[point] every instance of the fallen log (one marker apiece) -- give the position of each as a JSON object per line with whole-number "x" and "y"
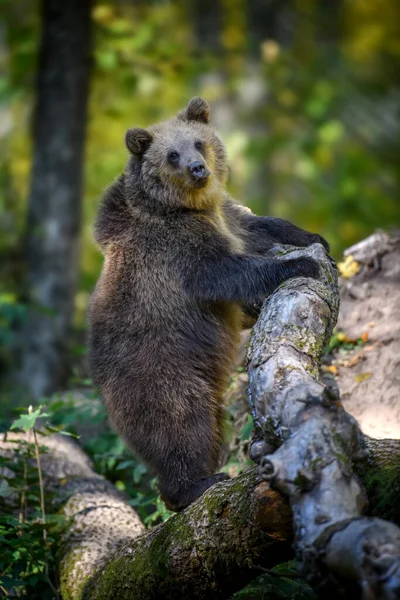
{"x": 317, "y": 442}
{"x": 208, "y": 551}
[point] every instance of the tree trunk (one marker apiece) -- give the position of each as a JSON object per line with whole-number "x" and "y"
{"x": 54, "y": 212}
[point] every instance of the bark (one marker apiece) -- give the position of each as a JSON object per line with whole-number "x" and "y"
{"x": 316, "y": 442}
{"x": 54, "y": 212}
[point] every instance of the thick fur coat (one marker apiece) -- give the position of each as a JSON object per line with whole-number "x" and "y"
{"x": 181, "y": 260}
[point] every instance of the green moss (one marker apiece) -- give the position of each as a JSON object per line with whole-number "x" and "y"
{"x": 69, "y": 575}
{"x": 382, "y": 484}
{"x": 150, "y": 565}
{"x": 301, "y": 338}
{"x": 270, "y": 435}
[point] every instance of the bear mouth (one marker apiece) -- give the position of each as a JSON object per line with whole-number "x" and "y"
{"x": 199, "y": 183}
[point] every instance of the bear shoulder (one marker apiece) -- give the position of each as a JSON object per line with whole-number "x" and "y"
{"x": 113, "y": 216}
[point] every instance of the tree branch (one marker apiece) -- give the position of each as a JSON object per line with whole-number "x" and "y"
{"x": 318, "y": 441}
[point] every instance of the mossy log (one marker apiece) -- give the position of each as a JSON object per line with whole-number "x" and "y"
{"x": 317, "y": 443}
{"x": 208, "y": 551}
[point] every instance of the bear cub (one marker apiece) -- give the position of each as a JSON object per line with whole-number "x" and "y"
{"x": 182, "y": 259}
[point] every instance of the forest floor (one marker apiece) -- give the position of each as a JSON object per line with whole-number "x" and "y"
{"x": 368, "y": 372}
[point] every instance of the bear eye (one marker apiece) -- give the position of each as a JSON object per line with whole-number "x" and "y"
{"x": 198, "y": 145}
{"x": 173, "y": 156}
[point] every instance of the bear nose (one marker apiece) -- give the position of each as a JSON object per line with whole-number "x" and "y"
{"x": 198, "y": 169}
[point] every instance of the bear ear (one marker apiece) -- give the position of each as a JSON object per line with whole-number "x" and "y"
{"x": 197, "y": 110}
{"x": 138, "y": 140}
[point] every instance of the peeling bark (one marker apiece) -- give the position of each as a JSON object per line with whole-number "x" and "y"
{"x": 317, "y": 442}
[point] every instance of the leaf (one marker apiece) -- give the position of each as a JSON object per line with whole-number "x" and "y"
{"x": 27, "y": 421}
{"x": 103, "y": 14}
{"x": 362, "y": 376}
{"x": 139, "y": 470}
{"x": 107, "y": 59}
{"x": 58, "y": 429}
{"x": 125, "y": 464}
{"x": 349, "y": 267}
{"x": 70, "y": 434}
{"x": 5, "y": 489}
{"x": 247, "y": 429}
{"x": 331, "y": 132}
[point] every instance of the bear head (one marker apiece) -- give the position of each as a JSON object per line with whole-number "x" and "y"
{"x": 180, "y": 162}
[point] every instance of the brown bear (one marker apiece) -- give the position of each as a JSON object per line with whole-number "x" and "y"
{"x": 181, "y": 259}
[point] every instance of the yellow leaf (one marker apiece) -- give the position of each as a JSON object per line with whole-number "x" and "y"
{"x": 270, "y": 51}
{"x": 329, "y": 369}
{"x": 349, "y": 267}
{"x": 103, "y": 14}
{"x": 362, "y": 377}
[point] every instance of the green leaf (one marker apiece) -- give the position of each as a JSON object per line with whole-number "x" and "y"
{"x": 138, "y": 472}
{"x": 125, "y": 464}
{"x": 27, "y": 421}
{"x": 5, "y": 489}
{"x": 247, "y": 429}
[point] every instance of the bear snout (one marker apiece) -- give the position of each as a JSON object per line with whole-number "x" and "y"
{"x": 198, "y": 170}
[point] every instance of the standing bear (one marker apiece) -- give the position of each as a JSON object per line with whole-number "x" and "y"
{"x": 181, "y": 260}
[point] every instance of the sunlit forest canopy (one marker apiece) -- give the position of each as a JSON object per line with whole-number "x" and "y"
{"x": 304, "y": 93}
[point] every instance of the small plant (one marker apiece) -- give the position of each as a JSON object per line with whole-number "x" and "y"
{"x": 340, "y": 341}
{"x": 280, "y": 583}
{"x": 30, "y": 536}
{"x": 150, "y": 507}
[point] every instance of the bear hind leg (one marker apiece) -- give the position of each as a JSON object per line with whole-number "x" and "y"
{"x": 178, "y": 496}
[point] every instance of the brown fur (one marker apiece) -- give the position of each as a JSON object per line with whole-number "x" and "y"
{"x": 180, "y": 260}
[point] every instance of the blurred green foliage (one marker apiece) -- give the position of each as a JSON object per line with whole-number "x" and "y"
{"x": 309, "y": 111}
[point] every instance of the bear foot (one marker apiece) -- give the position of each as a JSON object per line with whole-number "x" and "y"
{"x": 185, "y": 496}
